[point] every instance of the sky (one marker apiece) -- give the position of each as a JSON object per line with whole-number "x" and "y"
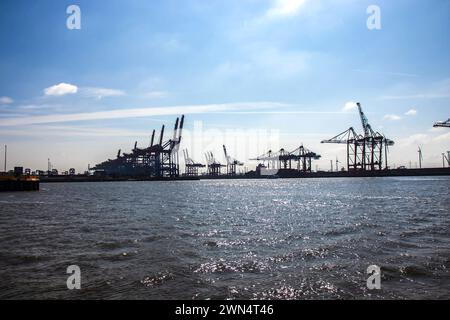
{"x": 253, "y": 74}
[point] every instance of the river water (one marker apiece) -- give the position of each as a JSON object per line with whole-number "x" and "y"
{"x": 228, "y": 239}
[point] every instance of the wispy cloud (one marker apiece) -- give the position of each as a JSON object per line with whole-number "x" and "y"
{"x": 141, "y": 112}
{"x": 100, "y": 93}
{"x": 417, "y": 96}
{"x": 436, "y": 90}
{"x": 392, "y": 117}
{"x": 156, "y": 94}
{"x": 6, "y": 100}
{"x": 389, "y": 73}
{"x": 61, "y": 89}
{"x": 411, "y": 112}
{"x": 285, "y": 8}
{"x": 68, "y": 131}
{"x": 36, "y": 106}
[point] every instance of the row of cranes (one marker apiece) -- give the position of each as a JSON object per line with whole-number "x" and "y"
{"x": 213, "y": 166}
{"x": 162, "y": 159}
{"x": 299, "y": 159}
{"x": 365, "y": 152}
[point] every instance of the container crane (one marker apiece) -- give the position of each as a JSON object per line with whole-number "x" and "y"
{"x": 364, "y": 152}
{"x": 231, "y": 163}
{"x": 213, "y": 165}
{"x": 191, "y": 167}
{"x": 299, "y": 159}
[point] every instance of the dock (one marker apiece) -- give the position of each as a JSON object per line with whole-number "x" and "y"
{"x": 18, "y": 183}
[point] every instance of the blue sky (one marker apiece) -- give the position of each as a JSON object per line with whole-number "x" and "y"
{"x": 289, "y": 66}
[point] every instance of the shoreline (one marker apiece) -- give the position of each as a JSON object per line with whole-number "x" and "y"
{"x": 282, "y": 174}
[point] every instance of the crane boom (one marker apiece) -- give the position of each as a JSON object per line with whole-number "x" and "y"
{"x": 161, "y": 137}
{"x": 153, "y": 138}
{"x": 342, "y": 137}
{"x": 442, "y": 124}
{"x": 227, "y": 158}
{"x": 364, "y": 121}
{"x": 175, "y": 130}
{"x": 181, "y": 128}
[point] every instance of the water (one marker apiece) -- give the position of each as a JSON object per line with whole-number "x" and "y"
{"x": 228, "y": 239}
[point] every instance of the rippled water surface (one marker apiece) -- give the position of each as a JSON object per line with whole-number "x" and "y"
{"x": 237, "y": 239}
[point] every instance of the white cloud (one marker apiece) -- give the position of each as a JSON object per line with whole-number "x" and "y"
{"x": 411, "y": 112}
{"x": 6, "y": 100}
{"x": 392, "y": 117}
{"x": 100, "y": 93}
{"x": 283, "y": 8}
{"x": 61, "y": 89}
{"x": 96, "y": 92}
{"x": 350, "y": 106}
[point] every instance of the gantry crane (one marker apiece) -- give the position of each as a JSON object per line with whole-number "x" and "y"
{"x": 231, "y": 163}
{"x": 191, "y": 167}
{"x": 364, "y": 152}
{"x": 283, "y": 160}
{"x": 213, "y": 165}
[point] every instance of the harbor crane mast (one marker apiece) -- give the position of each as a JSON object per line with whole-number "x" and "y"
{"x": 231, "y": 163}
{"x": 364, "y": 152}
{"x": 419, "y": 151}
{"x": 446, "y": 159}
